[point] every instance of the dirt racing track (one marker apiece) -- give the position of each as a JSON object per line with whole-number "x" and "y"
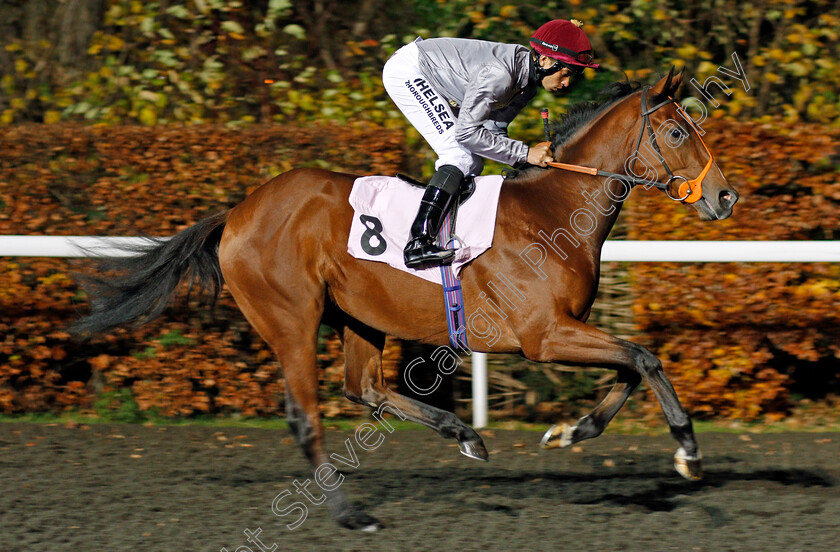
{"x": 133, "y": 488}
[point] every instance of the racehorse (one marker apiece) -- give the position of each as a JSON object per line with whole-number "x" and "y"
{"x": 283, "y": 254}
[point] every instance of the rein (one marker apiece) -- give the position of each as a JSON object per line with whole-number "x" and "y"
{"x": 689, "y": 191}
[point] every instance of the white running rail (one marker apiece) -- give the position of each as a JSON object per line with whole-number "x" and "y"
{"x": 614, "y": 250}
{"x": 671, "y": 251}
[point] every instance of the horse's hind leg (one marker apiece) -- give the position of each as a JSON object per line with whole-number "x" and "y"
{"x": 305, "y": 424}
{"x": 574, "y": 342}
{"x": 365, "y": 384}
{"x": 292, "y": 335}
{"x": 594, "y": 423}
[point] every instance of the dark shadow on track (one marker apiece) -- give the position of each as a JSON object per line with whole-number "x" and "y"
{"x": 647, "y": 489}
{"x": 662, "y": 498}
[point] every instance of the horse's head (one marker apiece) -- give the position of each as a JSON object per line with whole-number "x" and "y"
{"x": 692, "y": 174}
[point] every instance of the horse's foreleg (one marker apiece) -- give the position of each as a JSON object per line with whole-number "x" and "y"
{"x": 573, "y": 342}
{"x": 365, "y": 384}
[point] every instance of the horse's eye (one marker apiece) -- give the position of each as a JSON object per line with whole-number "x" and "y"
{"x": 676, "y": 134}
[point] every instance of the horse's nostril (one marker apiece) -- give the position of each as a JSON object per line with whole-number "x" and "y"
{"x": 727, "y": 198}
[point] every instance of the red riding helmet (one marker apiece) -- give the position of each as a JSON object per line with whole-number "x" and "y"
{"x": 564, "y": 41}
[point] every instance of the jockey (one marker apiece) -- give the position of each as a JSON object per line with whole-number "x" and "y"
{"x": 461, "y": 94}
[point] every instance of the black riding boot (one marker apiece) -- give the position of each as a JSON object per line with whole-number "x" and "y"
{"x": 421, "y": 251}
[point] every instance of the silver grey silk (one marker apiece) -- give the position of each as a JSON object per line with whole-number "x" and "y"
{"x": 487, "y": 84}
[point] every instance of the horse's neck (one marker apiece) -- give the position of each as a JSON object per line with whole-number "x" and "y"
{"x": 603, "y": 144}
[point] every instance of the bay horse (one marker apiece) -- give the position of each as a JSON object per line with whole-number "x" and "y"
{"x": 283, "y": 254}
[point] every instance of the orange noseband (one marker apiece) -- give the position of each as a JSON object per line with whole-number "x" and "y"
{"x": 690, "y": 191}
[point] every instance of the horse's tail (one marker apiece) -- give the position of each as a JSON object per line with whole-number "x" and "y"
{"x": 145, "y": 282}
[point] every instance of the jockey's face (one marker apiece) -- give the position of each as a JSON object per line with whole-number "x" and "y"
{"x": 558, "y": 81}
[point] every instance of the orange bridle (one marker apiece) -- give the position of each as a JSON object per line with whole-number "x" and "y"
{"x": 688, "y": 191}
{"x": 693, "y": 189}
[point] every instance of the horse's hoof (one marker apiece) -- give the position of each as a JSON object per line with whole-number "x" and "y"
{"x": 687, "y": 466}
{"x": 473, "y": 449}
{"x": 359, "y": 521}
{"x": 558, "y": 436}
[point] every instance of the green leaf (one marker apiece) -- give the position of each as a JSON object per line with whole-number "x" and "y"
{"x": 148, "y": 95}
{"x": 253, "y": 53}
{"x": 797, "y": 69}
{"x": 166, "y": 57}
{"x": 178, "y": 11}
{"x": 232, "y": 27}
{"x": 277, "y": 6}
{"x": 147, "y": 25}
{"x": 296, "y": 31}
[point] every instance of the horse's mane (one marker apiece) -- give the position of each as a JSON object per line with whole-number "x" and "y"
{"x": 580, "y": 114}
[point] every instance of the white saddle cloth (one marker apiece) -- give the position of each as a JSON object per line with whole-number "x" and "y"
{"x": 385, "y": 207}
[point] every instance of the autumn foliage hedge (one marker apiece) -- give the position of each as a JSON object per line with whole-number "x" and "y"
{"x": 745, "y": 339}
{"x": 71, "y": 180}
{"x": 738, "y": 340}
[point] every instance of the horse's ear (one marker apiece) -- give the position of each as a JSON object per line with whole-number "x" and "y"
{"x": 676, "y": 82}
{"x": 668, "y": 85}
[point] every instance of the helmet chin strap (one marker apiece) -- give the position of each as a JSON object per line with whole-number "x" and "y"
{"x": 540, "y": 72}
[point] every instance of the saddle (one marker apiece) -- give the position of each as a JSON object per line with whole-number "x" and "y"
{"x": 385, "y": 206}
